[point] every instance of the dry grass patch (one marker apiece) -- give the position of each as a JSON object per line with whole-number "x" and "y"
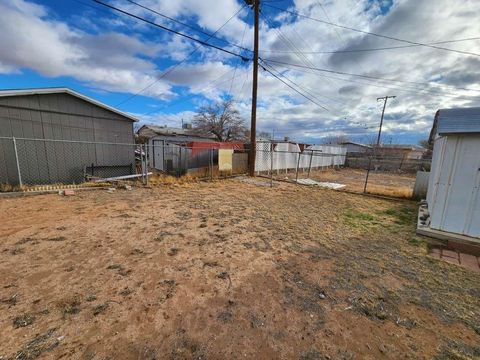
{"x": 227, "y": 269}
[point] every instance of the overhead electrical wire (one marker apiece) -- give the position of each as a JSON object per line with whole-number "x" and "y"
{"x": 339, "y": 36}
{"x": 371, "y": 33}
{"x": 201, "y": 42}
{"x": 383, "y": 86}
{"x": 210, "y": 35}
{"x": 370, "y": 49}
{"x": 363, "y": 76}
{"x": 171, "y": 69}
{"x": 305, "y": 88}
{"x": 290, "y": 44}
{"x": 237, "y": 63}
{"x": 264, "y": 67}
{"x": 209, "y": 86}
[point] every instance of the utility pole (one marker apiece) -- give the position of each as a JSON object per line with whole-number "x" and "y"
{"x": 253, "y": 123}
{"x": 385, "y": 99}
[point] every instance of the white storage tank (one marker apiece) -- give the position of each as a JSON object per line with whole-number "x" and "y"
{"x": 453, "y": 195}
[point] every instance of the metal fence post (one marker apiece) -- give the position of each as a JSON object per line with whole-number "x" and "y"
{"x": 146, "y": 164}
{"x": 186, "y": 160}
{"x": 271, "y": 164}
{"x": 310, "y": 165}
{"x": 211, "y": 164}
{"x": 142, "y": 162}
{"x": 368, "y": 173}
{"x": 298, "y": 164}
{"x": 17, "y": 162}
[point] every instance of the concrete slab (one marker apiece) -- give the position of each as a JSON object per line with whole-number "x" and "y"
{"x": 327, "y": 185}
{"x": 423, "y": 228}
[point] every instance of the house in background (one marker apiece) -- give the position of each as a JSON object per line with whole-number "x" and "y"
{"x": 167, "y": 145}
{"x": 357, "y": 148}
{"x": 58, "y": 134}
{"x": 176, "y": 150}
{"x": 453, "y": 196}
{"x": 401, "y": 151}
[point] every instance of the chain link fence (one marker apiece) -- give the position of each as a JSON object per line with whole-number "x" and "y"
{"x": 26, "y": 163}
{"x": 331, "y": 167}
{"x": 197, "y": 161}
{"x": 29, "y": 162}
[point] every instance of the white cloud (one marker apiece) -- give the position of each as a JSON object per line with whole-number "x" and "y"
{"x": 52, "y": 48}
{"x": 114, "y": 61}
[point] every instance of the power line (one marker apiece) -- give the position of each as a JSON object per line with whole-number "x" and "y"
{"x": 383, "y": 86}
{"x": 338, "y": 34}
{"x": 204, "y": 89}
{"x": 303, "y": 87}
{"x": 241, "y": 44}
{"x": 371, "y": 33}
{"x": 172, "y": 31}
{"x": 210, "y": 36}
{"x": 363, "y": 76}
{"x": 371, "y": 49}
{"x": 294, "y": 89}
{"x": 304, "y": 59}
{"x": 170, "y": 70}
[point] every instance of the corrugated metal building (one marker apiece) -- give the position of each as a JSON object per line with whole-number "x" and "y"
{"x": 453, "y": 195}
{"x": 65, "y": 129}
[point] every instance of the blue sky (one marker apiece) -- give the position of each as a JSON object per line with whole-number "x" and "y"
{"x": 119, "y": 60}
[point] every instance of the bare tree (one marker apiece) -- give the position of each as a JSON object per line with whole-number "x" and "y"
{"x": 425, "y": 143}
{"x": 221, "y": 120}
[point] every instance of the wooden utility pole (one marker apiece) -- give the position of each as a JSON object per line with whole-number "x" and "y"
{"x": 385, "y": 99}
{"x": 253, "y": 123}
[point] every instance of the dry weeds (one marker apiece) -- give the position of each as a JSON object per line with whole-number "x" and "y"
{"x": 291, "y": 272}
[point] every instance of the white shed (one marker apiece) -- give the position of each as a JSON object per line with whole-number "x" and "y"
{"x": 453, "y": 195}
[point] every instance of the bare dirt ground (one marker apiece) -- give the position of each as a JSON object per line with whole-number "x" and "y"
{"x": 227, "y": 270}
{"x": 379, "y": 182}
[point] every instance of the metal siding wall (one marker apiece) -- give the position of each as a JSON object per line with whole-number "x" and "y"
{"x": 54, "y": 161}
{"x": 456, "y": 201}
{"x": 473, "y": 223}
{"x": 437, "y": 159}
{"x": 444, "y": 177}
{"x": 459, "y": 189}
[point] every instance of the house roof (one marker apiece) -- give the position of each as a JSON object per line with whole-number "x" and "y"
{"x": 354, "y": 143}
{"x": 401, "y": 147}
{"x": 456, "y": 121}
{"x": 170, "y": 131}
{"x": 63, "y": 90}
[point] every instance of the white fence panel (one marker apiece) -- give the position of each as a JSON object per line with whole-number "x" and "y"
{"x": 286, "y": 156}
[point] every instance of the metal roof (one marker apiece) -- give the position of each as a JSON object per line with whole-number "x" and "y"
{"x": 354, "y": 143}
{"x": 171, "y": 131}
{"x": 63, "y": 90}
{"x": 401, "y": 147}
{"x": 164, "y": 130}
{"x": 456, "y": 121}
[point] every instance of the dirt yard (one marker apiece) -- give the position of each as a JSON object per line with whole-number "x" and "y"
{"x": 227, "y": 270}
{"x": 379, "y": 182}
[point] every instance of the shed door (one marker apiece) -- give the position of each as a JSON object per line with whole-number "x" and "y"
{"x": 442, "y": 169}
{"x": 158, "y": 151}
{"x": 460, "y": 213}
{"x": 472, "y": 226}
